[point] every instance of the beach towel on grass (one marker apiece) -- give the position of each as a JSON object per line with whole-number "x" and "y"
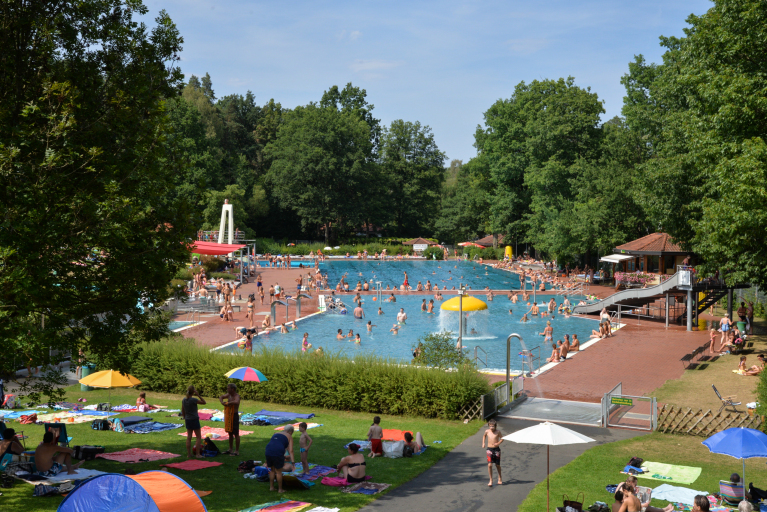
{"x": 80, "y": 474}
{"x": 364, "y": 445}
{"x": 151, "y": 427}
{"x": 137, "y": 455}
{"x": 132, "y": 420}
{"x": 220, "y": 432}
{"x": 676, "y": 474}
{"x": 366, "y": 488}
{"x": 675, "y": 494}
{"x": 391, "y": 434}
{"x": 193, "y": 465}
{"x": 295, "y": 426}
{"x": 279, "y": 506}
{"x": 280, "y": 414}
{"x": 338, "y": 481}
{"x": 315, "y": 471}
{"x": 125, "y": 408}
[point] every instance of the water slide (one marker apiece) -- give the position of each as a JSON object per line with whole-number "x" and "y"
{"x": 635, "y": 296}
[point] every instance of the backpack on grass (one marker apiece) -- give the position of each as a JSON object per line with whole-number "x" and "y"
{"x": 100, "y": 425}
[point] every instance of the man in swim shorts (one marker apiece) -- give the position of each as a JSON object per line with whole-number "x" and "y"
{"x": 494, "y": 440}
{"x": 401, "y": 316}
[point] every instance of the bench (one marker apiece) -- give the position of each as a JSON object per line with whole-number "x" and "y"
{"x": 687, "y": 358}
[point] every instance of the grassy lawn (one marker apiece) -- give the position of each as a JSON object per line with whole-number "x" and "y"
{"x": 231, "y": 491}
{"x": 693, "y": 389}
{"x": 601, "y": 465}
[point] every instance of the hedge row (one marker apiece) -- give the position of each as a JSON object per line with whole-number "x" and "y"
{"x": 329, "y": 381}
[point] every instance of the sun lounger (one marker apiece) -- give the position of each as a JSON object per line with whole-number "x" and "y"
{"x": 727, "y": 401}
{"x": 732, "y": 494}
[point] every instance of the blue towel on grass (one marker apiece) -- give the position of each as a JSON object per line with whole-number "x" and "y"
{"x": 281, "y": 414}
{"x": 362, "y": 490}
{"x": 150, "y": 427}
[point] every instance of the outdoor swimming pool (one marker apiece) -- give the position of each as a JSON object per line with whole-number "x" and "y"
{"x": 441, "y": 273}
{"x": 491, "y": 327}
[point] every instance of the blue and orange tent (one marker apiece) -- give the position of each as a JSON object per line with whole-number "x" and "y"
{"x": 151, "y": 491}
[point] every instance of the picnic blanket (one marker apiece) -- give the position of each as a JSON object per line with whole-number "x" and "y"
{"x": 193, "y": 465}
{"x": 17, "y": 414}
{"x": 125, "y": 408}
{"x": 675, "y": 494}
{"x": 364, "y": 445}
{"x": 366, "y": 488}
{"x": 260, "y": 419}
{"x": 676, "y": 474}
{"x": 315, "y": 471}
{"x": 391, "y": 434}
{"x": 150, "y": 427}
{"x": 338, "y": 481}
{"x": 132, "y": 420}
{"x": 279, "y": 506}
{"x": 137, "y": 455}
{"x": 295, "y": 426}
{"x": 280, "y": 414}
{"x": 218, "y": 434}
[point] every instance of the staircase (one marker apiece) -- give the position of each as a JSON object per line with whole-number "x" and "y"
{"x": 712, "y": 296}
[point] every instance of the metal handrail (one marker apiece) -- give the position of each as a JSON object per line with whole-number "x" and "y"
{"x": 477, "y": 358}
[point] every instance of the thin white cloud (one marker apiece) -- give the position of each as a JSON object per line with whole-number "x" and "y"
{"x": 374, "y": 64}
{"x": 355, "y": 34}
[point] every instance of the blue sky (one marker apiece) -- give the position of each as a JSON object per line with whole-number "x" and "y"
{"x": 440, "y": 63}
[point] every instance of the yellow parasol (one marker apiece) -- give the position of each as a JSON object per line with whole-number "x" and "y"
{"x": 469, "y": 304}
{"x": 109, "y": 379}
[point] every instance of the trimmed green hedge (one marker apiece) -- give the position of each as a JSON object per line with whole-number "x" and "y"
{"x": 331, "y": 381}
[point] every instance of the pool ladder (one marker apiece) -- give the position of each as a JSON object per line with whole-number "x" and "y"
{"x": 477, "y": 357}
{"x": 193, "y": 316}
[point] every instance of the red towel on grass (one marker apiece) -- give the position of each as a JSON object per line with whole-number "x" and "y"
{"x": 191, "y": 465}
{"x": 338, "y": 481}
{"x": 137, "y": 455}
{"x": 391, "y": 434}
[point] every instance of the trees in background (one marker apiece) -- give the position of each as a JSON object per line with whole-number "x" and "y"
{"x": 92, "y": 228}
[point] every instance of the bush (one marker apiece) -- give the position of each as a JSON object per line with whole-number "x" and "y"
{"x": 438, "y": 350}
{"x": 331, "y": 381}
{"x": 212, "y": 265}
{"x": 434, "y": 253}
{"x": 223, "y": 275}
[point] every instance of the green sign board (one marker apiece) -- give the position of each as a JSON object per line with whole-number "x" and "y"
{"x": 616, "y": 400}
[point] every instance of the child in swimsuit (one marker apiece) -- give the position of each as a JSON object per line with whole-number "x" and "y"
{"x": 304, "y": 443}
{"x": 375, "y": 436}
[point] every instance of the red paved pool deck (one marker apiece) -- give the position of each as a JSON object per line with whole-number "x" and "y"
{"x": 642, "y": 355}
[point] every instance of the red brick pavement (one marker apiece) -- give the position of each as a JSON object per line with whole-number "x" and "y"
{"x": 642, "y": 357}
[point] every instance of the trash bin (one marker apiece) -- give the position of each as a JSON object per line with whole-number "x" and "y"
{"x": 741, "y": 326}
{"x": 87, "y": 370}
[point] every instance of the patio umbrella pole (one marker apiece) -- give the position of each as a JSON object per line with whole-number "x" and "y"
{"x": 548, "y": 508}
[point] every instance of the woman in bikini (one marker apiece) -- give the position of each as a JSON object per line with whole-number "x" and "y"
{"x": 251, "y": 310}
{"x": 352, "y": 467}
{"x": 548, "y": 332}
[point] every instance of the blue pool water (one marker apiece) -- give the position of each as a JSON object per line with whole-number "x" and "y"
{"x": 178, "y": 324}
{"x": 441, "y": 273}
{"x": 491, "y": 327}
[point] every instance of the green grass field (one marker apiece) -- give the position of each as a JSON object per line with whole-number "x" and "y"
{"x": 231, "y": 491}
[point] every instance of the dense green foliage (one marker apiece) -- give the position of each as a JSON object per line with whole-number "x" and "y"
{"x": 91, "y": 226}
{"x": 329, "y": 381}
{"x": 437, "y": 349}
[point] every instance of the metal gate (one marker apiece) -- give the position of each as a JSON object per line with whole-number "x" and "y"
{"x": 628, "y": 411}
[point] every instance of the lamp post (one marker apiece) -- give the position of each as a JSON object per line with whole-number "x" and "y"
{"x": 461, "y": 292}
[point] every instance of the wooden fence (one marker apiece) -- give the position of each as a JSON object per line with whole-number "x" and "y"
{"x": 673, "y": 419}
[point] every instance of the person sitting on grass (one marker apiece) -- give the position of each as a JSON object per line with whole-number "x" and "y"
{"x": 50, "y": 458}
{"x": 415, "y": 445}
{"x": 757, "y": 368}
{"x": 352, "y": 467}
{"x": 634, "y": 483}
{"x": 141, "y": 404}
{"x": 10, "y": 444}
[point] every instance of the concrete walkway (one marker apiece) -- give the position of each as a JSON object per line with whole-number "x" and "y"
{"x": 459, "y": 481}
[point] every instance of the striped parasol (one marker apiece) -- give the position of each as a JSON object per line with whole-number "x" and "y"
{"x": 246, "y": 374}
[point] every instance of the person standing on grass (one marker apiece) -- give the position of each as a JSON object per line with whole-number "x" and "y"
{"x": 275, "y": 456}
{"x": 232, "y": 417}
{"x": 304, "y": 443}
{"x": 192, "y": 420}
{"x": 494, "y": 440}
{"x": 750, "y": 317}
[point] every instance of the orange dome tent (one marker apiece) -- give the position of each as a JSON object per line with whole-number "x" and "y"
{"x": 150, "y": 491}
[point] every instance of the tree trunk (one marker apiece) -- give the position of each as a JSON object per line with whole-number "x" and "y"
{"x": 495, "y": 240}
{"x": 327, "y": 234}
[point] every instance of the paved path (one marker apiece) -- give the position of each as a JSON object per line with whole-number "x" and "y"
{"x": 459, "y": 481}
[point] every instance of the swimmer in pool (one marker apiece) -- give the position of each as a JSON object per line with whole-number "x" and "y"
{"x": 510, "y": 312}
{"x": 351, "y": 334}
{"x": 380, "y": 311}
{"x": 394, "y": 329}
{"x": 340, "y": 335}
{"x": 524, "y": 318}
{"x": 357, "y": 339}
{"x": 370, "y": 326}
{"x": 473, "y": 331}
